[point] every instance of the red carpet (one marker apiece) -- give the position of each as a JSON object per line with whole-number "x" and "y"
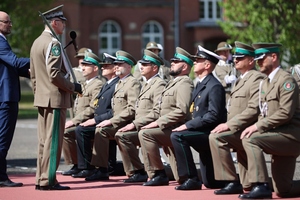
{"x": 113, "y": 189}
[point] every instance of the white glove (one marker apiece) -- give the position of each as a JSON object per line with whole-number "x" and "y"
{"x": 230, "y": 79}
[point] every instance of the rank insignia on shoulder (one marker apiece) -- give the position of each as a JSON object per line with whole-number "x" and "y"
{"x": 56, "y": 50}
{"x": 288, "y": 86}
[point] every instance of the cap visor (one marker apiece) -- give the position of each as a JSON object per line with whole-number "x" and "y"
{"x": 258, "y": 57}
{"x": 87, "y": 62}
{"x": 144, "y": 61}
{"x": 238, "y": 55}
{"x": 119, "y": 61}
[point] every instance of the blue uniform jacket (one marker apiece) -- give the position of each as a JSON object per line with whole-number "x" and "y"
{"x": 104, "y": 109}
{"x": 209, "y": 105}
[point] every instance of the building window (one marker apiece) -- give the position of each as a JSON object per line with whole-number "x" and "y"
{"x": 152, "y": 31}
{"x": 210, "y": 10}
{"x": 109, "y": 37}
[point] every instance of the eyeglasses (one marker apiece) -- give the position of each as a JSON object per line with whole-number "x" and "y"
{"x": 6, "y": 22}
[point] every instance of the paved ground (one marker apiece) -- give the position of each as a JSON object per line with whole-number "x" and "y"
{"x": 22, "y": 154}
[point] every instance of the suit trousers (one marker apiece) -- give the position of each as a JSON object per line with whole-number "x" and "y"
{"x": 69, "y": 147}
{"x": 8, "y": 119}
{"x": 151, "y": 140}
{"x": 85, "y": 139}
{"x": 284, "y": 152}
{"x": 224, "y": 168}
{"x": 51, "y": 125}
{"x": 182, "y": 142}
{"x": 128, "y": 143}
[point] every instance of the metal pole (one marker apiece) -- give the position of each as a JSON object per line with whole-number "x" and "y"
{"x": 176, "y": 23}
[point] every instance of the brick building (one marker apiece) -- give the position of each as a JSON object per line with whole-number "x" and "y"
{"x": 111, "y": 25}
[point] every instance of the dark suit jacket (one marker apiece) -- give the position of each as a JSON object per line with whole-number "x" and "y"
{"x": 104, "y": 109}
{"x": 209, "y": 105}
{"x": 11, "y": 68}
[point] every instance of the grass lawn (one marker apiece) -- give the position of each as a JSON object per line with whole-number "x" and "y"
{"x": 26, "y": 109}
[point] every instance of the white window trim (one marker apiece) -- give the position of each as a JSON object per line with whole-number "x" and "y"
{"x": 109, "y": 35}
{"x": 206, "y": 11}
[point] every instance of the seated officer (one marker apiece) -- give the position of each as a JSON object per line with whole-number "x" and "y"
{"x": 83, "y": 109}
{"x": 208, "y": 109}
{"x": 123, "y": 110}
{"x": 85, "y": 132}
{"x": 127, "y": 137}
{"x": 277, "y": 130}
{"x": 242, "y": 110}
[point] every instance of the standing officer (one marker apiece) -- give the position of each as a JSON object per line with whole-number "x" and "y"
{"x": 83, "y": 108}
{"x": 225, "y": 71}
{"x": 277, "y": 130}
{"x": 85, "y": 132}
{"x": 11, "y": 68}
{"x": 52, "y": 96}
{"x": 127, "y": 137}
{"x": 173, "y": 109}
{"x": 208, "y": 108}
{"x": 123, "y": 105}
{"x": 242, "y": 111}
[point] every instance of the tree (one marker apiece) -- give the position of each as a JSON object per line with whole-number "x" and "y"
{"x": 27, "y": 25}
{"x": 252, "y": 21}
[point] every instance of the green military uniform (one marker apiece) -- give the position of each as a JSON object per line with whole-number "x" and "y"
{"x": 277, "y": 130}
{"x": 242, "y": 112}
{"x": 148, "y": 97}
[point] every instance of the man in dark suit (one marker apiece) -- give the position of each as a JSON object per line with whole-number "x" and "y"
{"x": 208, "y": 107}
{"x": 11, "y": 68}
{"x": 85, "y": 132}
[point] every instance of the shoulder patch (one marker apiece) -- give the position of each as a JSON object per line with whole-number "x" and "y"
{"x": 56, "y": 50}
{"x": 289, "y": 86}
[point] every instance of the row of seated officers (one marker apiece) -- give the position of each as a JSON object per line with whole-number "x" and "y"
{"x": 262, "y": 116}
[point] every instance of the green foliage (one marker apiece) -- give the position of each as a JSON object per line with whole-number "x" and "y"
{"x": 252, "y": 21}
{"x": 27, "y": 25}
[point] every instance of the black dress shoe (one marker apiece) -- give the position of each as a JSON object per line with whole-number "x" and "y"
{"x": 37, "y": 187}
{"x": 157, "y": 181}
{"x": 231, "y": 188}
{"x": 9, "y": 183}
{"x": 136, "y": 178}
{"x": 261, "y": 191}
{"x": 190, "y": 184}
{"x": 84, "y": 173}
{"x": 98, "y": 176}
{"x": 55, "y": 187}
{"x": 73, "y": 170}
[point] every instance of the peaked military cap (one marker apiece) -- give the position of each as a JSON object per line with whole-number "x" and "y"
{"x": 56, "y": 12}
{"x": 123, "y": 56}
{"x": 242, "y": 50}
{"x": 261, "y": 49}
{"x": 91, "y": 59}
{"x": 182, "y": 55}
{"x": 81, "y": 52}
{"x": 206, "y": 54}
{"x": 152, "y": 45}
{"x": 223, "y": 46}
{"x": 150, "y": 57}
{"x": 108, "y": 59}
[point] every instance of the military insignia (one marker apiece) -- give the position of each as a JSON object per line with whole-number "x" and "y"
{"x": 192, "y": 107}
{"x": 288, "y": 86}
{"x": 56, "y": 50}
{"x": 95, "y": 102}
